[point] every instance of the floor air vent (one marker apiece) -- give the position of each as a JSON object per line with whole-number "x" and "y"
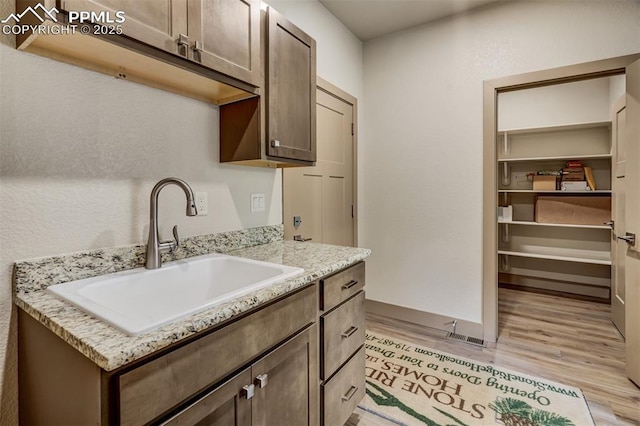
{"x": 466, "y": 339}
{"x": 461, "y": 337}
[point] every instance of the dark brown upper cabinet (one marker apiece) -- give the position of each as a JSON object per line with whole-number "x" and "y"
{"x": 225, "y": 35}
{"x": 279, "y": 129}
{"x": 205, "y": 49}
{"x": 290, "y": 91}
{"x": 161, "y": 23}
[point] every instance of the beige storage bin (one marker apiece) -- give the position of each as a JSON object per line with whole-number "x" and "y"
{"x": 571, "y": 209}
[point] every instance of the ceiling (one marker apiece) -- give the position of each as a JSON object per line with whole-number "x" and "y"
{"x": 369, "y": 19}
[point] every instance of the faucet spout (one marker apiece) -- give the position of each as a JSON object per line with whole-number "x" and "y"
{"x": 155, "y": 247}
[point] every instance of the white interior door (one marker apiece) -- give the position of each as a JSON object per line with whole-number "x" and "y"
{"x": 322, "y": 197}
{"x": 618, "y": 247}
{"x": 632, "y": 209}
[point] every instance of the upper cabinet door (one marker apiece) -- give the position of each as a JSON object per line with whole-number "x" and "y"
{"x": 159, "y": 23}
{"x": 225, "y": 36}
{"x": 291, "y": 91}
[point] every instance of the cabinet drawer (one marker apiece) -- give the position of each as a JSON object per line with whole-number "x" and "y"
{"x": 341, "y": 286}
{"x": 344, "y": 391}
{"x": 343, "y": 332}
{"x": 151, "y": 389}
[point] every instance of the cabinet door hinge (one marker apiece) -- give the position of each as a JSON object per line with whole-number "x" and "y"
{"x": 353, "y": 132}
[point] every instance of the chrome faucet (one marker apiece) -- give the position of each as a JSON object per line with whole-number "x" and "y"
{"x": 155, "y": 247}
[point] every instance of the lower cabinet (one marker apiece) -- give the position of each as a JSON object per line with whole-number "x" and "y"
{"x": 259, "y": 369}
{"x": 297, "y": 361}
{"x": 342, "y": 337}
{"x": 276, "y": 389}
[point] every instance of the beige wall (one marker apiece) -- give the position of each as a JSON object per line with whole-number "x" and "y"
{"x": 422, "y": 122}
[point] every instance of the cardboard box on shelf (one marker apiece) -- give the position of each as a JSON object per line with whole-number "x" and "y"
{"x": 573, "y": 209}
{"x": 544, "y": 183}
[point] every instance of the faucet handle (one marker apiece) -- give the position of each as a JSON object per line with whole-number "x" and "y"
{"x": 175, "y": 236}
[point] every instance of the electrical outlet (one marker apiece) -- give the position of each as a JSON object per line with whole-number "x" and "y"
{"x": 201, "y": 203}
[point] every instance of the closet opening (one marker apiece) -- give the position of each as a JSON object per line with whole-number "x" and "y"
{"x": 549, "y": 185}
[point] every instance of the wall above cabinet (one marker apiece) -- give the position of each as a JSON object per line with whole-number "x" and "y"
{"x": 204, "y": 49}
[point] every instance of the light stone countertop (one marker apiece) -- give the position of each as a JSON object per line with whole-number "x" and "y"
{"x": 109, "y": 348}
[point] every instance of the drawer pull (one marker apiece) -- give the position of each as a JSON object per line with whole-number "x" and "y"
{"x": 352, "y": 391}
{"x": 248, "y": 391}
{"x": 349, "y": 332}
{"x": 183, "y": 44}
{"x": 261, "y": 380}
{"x": 350, "y": 284}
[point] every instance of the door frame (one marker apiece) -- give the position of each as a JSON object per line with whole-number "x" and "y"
{"x": 491, "y": 89}
{"x": 336, "y": 92}
{"x": 617, "y": 307}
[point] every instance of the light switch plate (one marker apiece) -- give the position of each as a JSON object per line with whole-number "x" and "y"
{"x": 257, "y": 203}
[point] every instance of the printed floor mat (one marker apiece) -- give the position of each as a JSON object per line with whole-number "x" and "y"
{"x": 413, "y": 385}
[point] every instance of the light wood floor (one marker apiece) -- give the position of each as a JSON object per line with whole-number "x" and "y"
{"x": 568, "y": 341}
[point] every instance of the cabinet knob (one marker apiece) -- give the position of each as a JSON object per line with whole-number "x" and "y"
{"x": 197, "y": 51}
{"x": 247, "y": 391}
{"x": 183, "y": 44}
{"x": 261, "y": 380}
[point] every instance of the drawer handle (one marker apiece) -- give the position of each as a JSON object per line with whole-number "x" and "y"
{"x": 248, "y": 391}
{"x": 261, "y": 380}
{"x": 349, "y": 332}
{"x": 352, "y": 391}
{"x": 350, "y": 284}
{"x": 183, "y": 44}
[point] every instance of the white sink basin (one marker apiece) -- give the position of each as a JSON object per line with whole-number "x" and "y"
{"x": 140, "y": 300}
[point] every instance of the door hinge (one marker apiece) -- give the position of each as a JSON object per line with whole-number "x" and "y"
{"x": 353, "y": 132}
